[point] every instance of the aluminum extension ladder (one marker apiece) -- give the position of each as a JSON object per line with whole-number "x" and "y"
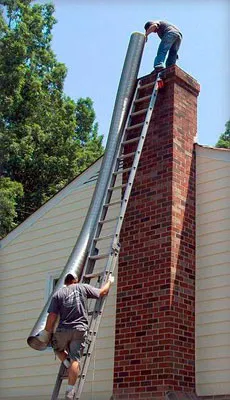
{"x": 114, "y": 248}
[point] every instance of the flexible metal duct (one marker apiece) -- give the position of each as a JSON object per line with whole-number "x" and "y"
{"x": 78, "y": 256}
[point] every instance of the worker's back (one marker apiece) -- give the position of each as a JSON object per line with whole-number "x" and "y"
{"x": 70, "y": 302}
{"x": 165, "y": 27}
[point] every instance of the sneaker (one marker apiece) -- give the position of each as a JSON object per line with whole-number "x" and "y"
{"x": 70, "y": 395}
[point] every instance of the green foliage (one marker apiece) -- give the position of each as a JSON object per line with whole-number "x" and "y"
{"x": 9, "y": 193}
{"x": 47, "y": 138}
{"x": 224, "y": 139}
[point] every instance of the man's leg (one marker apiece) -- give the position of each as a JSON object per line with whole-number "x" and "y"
{"x": 63, "y": 355}
{"x": 172, "y": 56}
{"x": 76, "y": 347}
{"x": 166, "y": 43}
{"x": 60, "y": 344}
{"x": 73, "y": 372}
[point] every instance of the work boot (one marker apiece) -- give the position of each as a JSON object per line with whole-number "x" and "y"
{"x": 70, "y": 395}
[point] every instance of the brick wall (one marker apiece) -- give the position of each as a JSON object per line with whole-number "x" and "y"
{"x": 215, "y": 397}
{"x": 154, "y": 350}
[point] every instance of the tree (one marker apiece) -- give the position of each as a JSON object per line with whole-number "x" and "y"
{"x": 9, "y": 193}
{"x": 224, "y": 139}
{"x": 47, "y": 138}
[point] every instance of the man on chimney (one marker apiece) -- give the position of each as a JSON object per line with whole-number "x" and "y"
{"x": 170, "y": 37}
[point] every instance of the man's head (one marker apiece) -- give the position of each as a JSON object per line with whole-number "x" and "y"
{"x": 148, "y": 24}
{"x": 71, "y": 278}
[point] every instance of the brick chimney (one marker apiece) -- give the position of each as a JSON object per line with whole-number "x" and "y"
{"x": 155, "y": 330}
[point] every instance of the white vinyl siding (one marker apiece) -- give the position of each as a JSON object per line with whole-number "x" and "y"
{"x": 212, "y": 271}
{"x": 31, "y": 253}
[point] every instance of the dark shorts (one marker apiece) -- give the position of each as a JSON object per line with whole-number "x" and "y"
{"x": 70, "y": 340}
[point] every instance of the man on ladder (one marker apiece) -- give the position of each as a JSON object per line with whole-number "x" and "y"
{"x": 68, "y": 342}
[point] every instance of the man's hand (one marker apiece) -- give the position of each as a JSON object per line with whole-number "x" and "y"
{"x": 44, "y": 336}
{"x": 152, "y": 29}
{"x": 105, "y": 289}
{"x": 111, "y": 279}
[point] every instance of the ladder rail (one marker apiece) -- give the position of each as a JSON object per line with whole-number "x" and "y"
{"x": 108, "y": 192}
{"x": 60, "y": 377}
{"x": 112, "y": 259}
{"x": 127, "y": 193}
{"x": 136, "y": 159}
{"x": 93, "y": 328}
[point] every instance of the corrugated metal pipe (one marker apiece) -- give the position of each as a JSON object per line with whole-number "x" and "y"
{"x": 78, "y": 256}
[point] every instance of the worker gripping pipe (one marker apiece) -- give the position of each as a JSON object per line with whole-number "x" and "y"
{"x": 78, "y": 256}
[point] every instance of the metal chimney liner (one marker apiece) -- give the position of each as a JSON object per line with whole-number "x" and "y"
{"x": 78, "y": 256}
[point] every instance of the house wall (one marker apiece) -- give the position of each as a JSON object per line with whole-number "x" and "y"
{"x": 212, "y": 271}
{"x": 41, "y": 246}
{"x": 37, "y": 248}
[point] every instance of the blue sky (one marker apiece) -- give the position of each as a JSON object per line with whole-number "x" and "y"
{"x": 91, "y": 38}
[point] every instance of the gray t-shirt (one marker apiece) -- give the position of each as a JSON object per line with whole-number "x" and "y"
{"x": 164, "y": 27}
{"x": 70, "y": 302}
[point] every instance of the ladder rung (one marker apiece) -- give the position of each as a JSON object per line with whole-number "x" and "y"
{"x": 104, "y": 221}
{"x": 95, "y": 275}
{"x": 99, "y": 256}
{"x": 144, "y": 110}
{"x": 126, "y": 155}
{"x": 117, "y": 187}
{"x": 142, "y": 99}
{"x": 131, "y": 140}
{"x": 90, "y": 313}
{"x": 129, "y": 128}
{"x": 113, "y": 203}
{"x": 122, "y": 171}
{"x": 97, "y": 239}
{"x": 147, "y": 85}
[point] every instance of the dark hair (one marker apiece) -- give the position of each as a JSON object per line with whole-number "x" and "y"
{"x": 70, "y": 278}
{"x": 148, "y": 24}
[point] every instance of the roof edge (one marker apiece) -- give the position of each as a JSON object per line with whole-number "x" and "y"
{"x": 45, "y": 207}
{"x": 211, "y": 147}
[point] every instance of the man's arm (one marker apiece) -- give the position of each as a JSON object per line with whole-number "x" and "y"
{"x": 104, "y": 290}
{"x": 53, "y": 313}
{"x": 45, "y": 335}
{"x": 50, "y": 322}
{"x": 152, "y": 29}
